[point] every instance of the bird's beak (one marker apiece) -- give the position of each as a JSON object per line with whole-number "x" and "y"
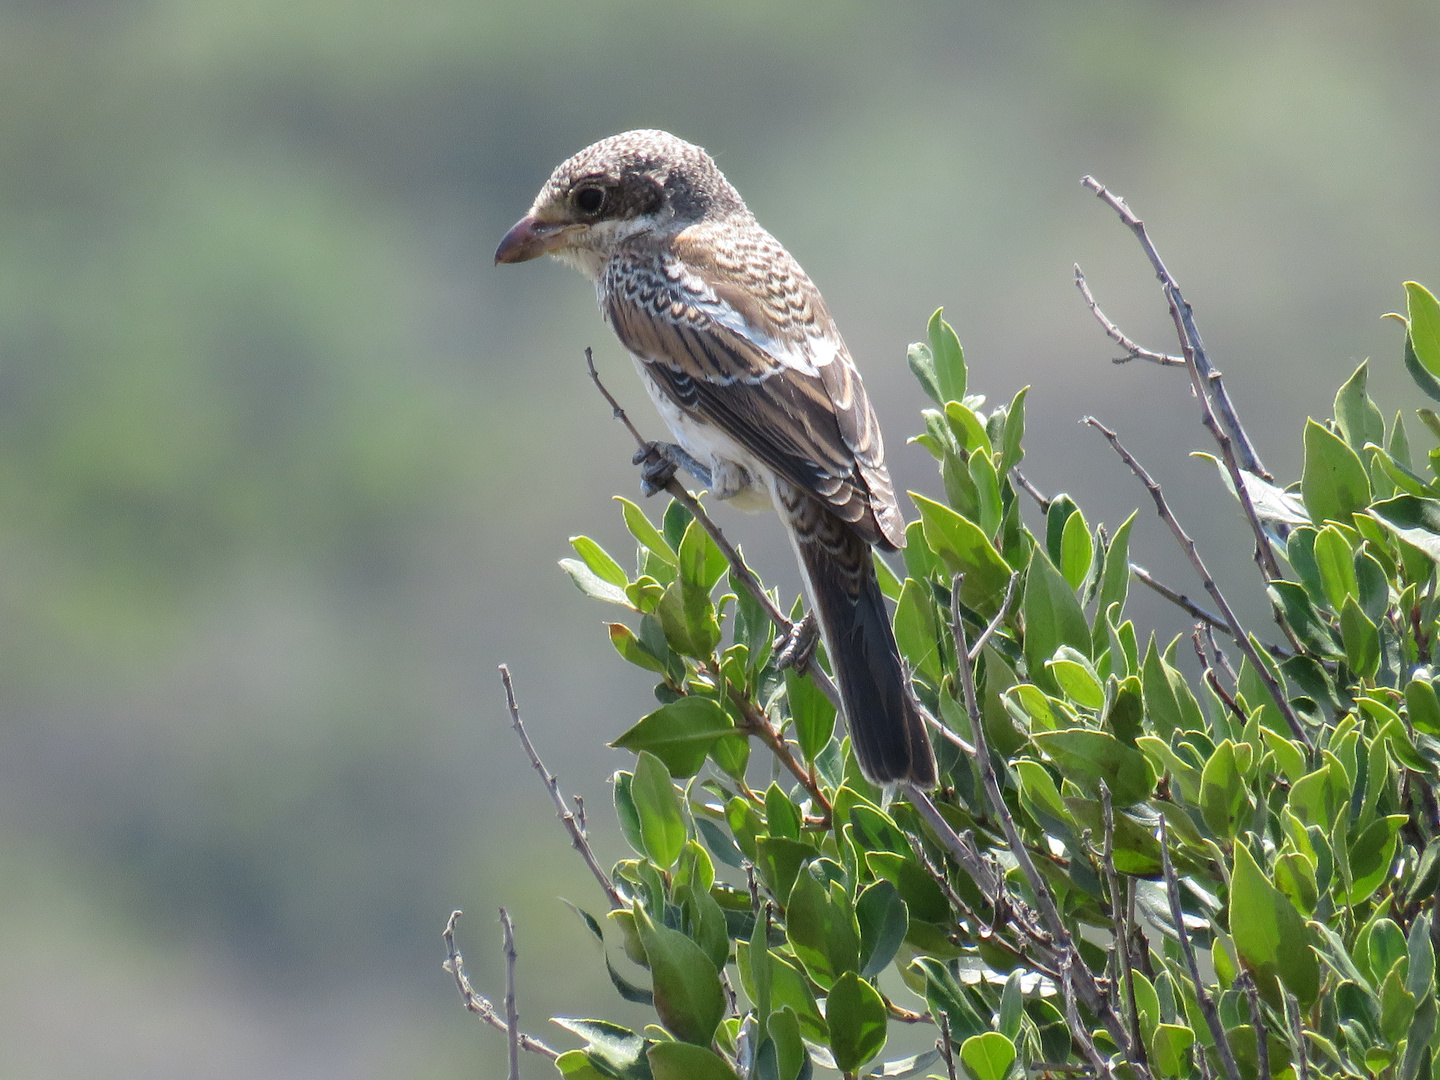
{"x": 530, "y": 238}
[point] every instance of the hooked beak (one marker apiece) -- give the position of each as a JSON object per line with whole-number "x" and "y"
{"x": 529, "y": 238}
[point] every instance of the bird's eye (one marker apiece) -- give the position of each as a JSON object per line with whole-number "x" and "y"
{"x": 590, "y": 200}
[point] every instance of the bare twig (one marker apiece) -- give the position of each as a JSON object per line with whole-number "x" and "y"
{"x": 758, "y": 724}
{"x": 512, "y": 1011}
{"x": 1208, "y": 386}
{"x": 481, "y": 1005}
{"x": 1072, "y": 1020}
{"x": 552, "y": 784}
{"x": 1297, "y": 1036}
{"x": 1095, "y": 998}
{"x": 1242, "y": 639}
{"x": 962, "y": 849}
{"x": 1031, "y": 490}
{"x": 1213, "y": 680}
{"x": 1202, "y": 996}
{"x": 1122, "y": 933}
{"x": 741, "y": 570}
{"x": 1179, "y": 599}
{"x": 945, "y": 732}
{"x": 1207, "y": 380}
{"x": 1115, "y": 334}
{"x": 985, "y": 635}
{"x": 1257, "y": 1021}
{"x": 946, "y": 1050}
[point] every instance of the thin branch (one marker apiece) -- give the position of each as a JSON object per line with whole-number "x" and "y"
{"x": 1202, "y": 996}
{"x": 552, "y": 784}
{"x": 1297, "y": 1036}
{"x": 985, "y": 635}
{"x": 738, "y": 567}
{"x": 946, "y": 1051}
{"x": 481, "y": 1005}
{"x": 1242, "y": 639}
{"x": 512, "y": 1011}
{"x": 1179, "y": 599}
{"x": 1072, "y": 1020}
{"x": 1031, "y": 490}
{"x": 1209, "y": 389}
{"x": 1207, "y": 380}
{"x": 1122, "y": 933}
{"x": 962, "y": 849}
{"x": 1095, "y": 998}
{"x": 758, "y": 724}
{"x": 1213, "y": 680}
{"x": 1115, "y": 334}
{"x": 1257, "y": 1021}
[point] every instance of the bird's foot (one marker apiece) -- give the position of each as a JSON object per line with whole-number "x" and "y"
{"x": 658, "y": 462}
{"x": 796, "y": 647}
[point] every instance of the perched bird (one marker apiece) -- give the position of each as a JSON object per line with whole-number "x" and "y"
{"x": 739, "y": 353}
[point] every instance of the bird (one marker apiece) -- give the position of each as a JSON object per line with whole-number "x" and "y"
{"x": 748, "y": 370}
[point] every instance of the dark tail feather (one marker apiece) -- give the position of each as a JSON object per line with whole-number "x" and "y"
{"x": 887, "y": 730}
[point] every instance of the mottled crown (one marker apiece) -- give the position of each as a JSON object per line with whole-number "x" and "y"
{"x": 649, "y": 169}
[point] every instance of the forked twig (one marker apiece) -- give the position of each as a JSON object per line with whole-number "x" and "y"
{"x": 481, "y": 1005}
{"x": 552, "y": 785}
{"x": 1115, "y": 334}
{"x": 1242, "y": 639}
{"x": 1122, "y": 928}
{"x": 741, "y": 570}
{"x": 1179, "y": 599}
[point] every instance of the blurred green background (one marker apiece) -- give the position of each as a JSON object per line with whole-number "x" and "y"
{"x": 286, "y": 464}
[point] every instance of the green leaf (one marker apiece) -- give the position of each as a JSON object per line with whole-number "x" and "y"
{"x": 1086, "y": 757}
{"x": 922, "y": 366}
{"x": 1012, "y": 450}
{"x": 889, "y": 583}
{"x": 784, "y": 1029}
{"x": 968, "y": 429}
{"x": 964, "y": 549}
{"x": 781, "y": 816}
{"x": 1077, "y": 550}
{"x": 1269, "y": 933}
{"x": 625, "y": 810}
{"x": 943, "y": 993}
{"x": 1424, "y": 321}
{"x": 812, "y": 712}
{"x": 662, "y": 825}
{"x": 592, "y": 584}
{"x": 1115, "y": 582}
{"x": 779, "y": 859}
{"x": 949, "y": 358}
{"x": 645, "y": 533}
{"x": 1053, "y": 617}
{"x": 685, "y": 1061}
{"x": 632, "y": 649}
{"x": 1412, "y": 519}
{"x": 1168, "y": 1046}
{"x": 858, "y": 1022}
{"x": 1359, "y": 420}
{"x": 916, "y": 631}
{"x": 688, "y": 996}
{"x": 1223, "y": 796}
{"x": 688, "y": 618}
{"x": 702, "y": 563}
{"x": 1333, "y": 484}
{"x": 987, "y": 492}
{"x": 617, "y": 1050}
{"x": 883, "y": 922}
{"x": 1371, "y": 853}
{"x": 680, "y": 734}
{"x": 1335, "y": 561}
{"x": 576, "y": 1065}
{"x": 1362, "y": 640}
{"x": 922, "y": 895}
{"x": 1076, "y": 676}
{"x": 821, "y": 929}
{"x": 988, "y": 1056}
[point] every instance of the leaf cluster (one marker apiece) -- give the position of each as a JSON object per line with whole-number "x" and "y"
{"x": 781, "y": 928}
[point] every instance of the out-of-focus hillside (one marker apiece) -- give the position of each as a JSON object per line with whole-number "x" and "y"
{"x": 286, "y": 464}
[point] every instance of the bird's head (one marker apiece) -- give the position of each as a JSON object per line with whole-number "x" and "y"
{"x": 635, "y": 183}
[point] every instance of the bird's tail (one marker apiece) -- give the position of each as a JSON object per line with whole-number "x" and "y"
{"x": 887, "y": 729}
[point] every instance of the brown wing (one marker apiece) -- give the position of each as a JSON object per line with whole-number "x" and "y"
{"x": 738, "y": 337}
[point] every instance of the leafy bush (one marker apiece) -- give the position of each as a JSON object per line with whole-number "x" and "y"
{"x": 1125, "y": 868}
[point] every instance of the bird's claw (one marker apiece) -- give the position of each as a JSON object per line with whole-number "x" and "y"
{"x": 796, "y": 647}
{"x": 657, "y": 467}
